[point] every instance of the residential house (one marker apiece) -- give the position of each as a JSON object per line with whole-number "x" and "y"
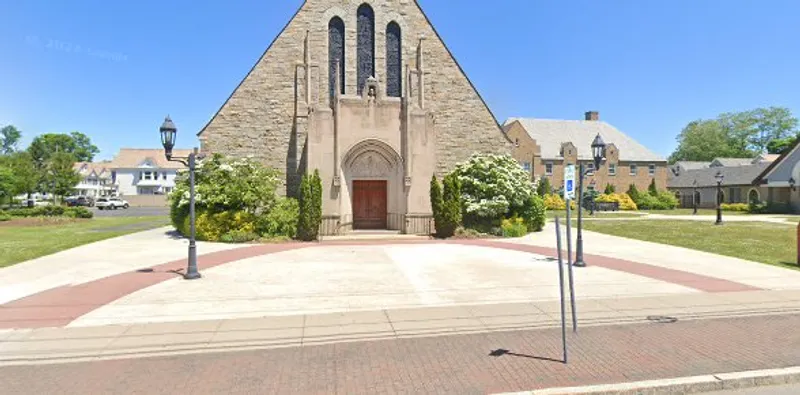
{"x": 781, "y": 176}
{"x": 683, "y": 166}
{"x": 144, "y": 171}
{"x": 544, "y": 146}
{"x": 95, "y": 179}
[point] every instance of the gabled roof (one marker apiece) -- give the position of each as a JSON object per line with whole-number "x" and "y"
{"x": 550, "y": 134}
{"x": 777, "y": 162}
{"x": 89, "y": 169}
{"x": 132, "y": 158}
{"x": 736, "y": 175}
{"x": 692, "y": 165}
{"x": 731, "y": 162}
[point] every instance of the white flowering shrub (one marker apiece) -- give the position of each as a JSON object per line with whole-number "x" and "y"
{"x": 233, "y": 197}
{"x": 495, "y": 187}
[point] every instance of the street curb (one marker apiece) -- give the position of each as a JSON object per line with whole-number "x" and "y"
{"x": 683, "y": 385}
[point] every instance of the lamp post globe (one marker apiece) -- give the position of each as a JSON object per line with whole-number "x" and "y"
{"x": 598, "y": 151}
{"x": 719, "y": 177}
{"x": 168, "y": 134}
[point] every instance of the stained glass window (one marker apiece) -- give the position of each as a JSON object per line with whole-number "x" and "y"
{"x": 335, "y": 53}
{"x": 366, "y": 45}
{"x": 394, "y": 60}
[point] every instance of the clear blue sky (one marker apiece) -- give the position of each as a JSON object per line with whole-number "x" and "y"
{"x": 113, "y": 69}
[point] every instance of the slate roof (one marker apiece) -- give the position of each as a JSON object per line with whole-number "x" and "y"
{"x": 551, "y": 133}
{"x": 732, "y": 162}
{"x": 131, "y": 158}
{"x": 737, "y": 175}
{"x": 690, "y": 165}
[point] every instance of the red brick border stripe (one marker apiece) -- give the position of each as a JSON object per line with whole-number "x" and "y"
{"x": 62, "y": 305}
{"x": 691, "y": 280}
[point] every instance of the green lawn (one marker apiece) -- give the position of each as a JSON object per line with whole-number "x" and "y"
{"x": 770, "y": 243}
{"x": 33, "y": 238}
{"x": 700, "y": 211}
{"x": 618, "y": 214}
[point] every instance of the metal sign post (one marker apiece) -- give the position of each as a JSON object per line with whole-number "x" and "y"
{"x": 569, "y": 195}
{"x": 561, "y": 291}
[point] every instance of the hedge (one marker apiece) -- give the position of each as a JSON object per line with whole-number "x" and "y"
{"x": 49, "y": 211}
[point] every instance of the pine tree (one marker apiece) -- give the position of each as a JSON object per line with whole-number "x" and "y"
{"x": 652, "y": 188}
{"x": 544, "y": 188}
{"x": 304, "y": 221}
{"x": 610, "y": 189}
{"x": 316, "y": 198}
{"x": 436, "y": 200}
{"x": 633, "y": 192}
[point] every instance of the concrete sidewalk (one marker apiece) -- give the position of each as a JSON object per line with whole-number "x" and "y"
{"x": 136, "y": 340}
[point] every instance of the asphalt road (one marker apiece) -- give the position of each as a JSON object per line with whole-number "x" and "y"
{"x": 132, "y": 212}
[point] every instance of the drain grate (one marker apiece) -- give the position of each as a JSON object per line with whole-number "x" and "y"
{"x": 662, "y": 319}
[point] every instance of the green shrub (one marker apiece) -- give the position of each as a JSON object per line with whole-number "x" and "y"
{"x": 610, "y": 189}
{"x": 514, "y": 227}
{"x": 437, "y": 202}
{"x": 450, "y": 211}
{"x": 544, "y": 188}
{"x": 281, "y": 220}
{"x": 668, "y": 200}
{"x": 238, "y": 236}
{"x": 533, "y": 213}
{"x": 556, "y": 202}
{"x": 212, "y": 226}
{"x": 466, "y": 233}
{"x": 310, "y": 207}
{"x": 770, "y": 208}
{"x": 78, "y": 212}
{"x": 4, "y": 217}
{"x": 633, "y": 192}
{"x": 652, "y": 189}
{"x": 735, "y": 207}
{"x": 664, "y": 200}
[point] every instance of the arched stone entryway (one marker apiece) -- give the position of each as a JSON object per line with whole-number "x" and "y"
{"x": 372, "y": 192}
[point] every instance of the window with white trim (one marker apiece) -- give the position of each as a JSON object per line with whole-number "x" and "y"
{"x": 548, "y": 168}
{"x": 590, "y": 168}
{"x": 612, "y": 169}
{"x": 651, "y": 169}
{"x": 526, "y": 166}
{"x": 634, "y": 169}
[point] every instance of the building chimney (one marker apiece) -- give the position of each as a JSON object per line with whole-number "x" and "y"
{"x": 592, "y": 116}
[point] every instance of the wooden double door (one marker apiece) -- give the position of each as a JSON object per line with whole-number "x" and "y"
{"x": 369, "y": 204}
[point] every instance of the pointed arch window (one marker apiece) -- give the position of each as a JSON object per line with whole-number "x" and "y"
{"x": 394, "y": 60}
{"x": 365, "y": 58}
{"x": 335, "y": 54}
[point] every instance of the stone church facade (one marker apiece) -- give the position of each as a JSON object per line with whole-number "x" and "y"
{"x": 367, "y": 93}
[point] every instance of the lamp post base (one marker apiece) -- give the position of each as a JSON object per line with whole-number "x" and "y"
{"x": 579, "y": 263}
{"x": 192, "y": 276}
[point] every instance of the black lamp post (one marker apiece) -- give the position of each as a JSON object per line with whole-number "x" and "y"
{"x": 719, "y": 177}
{"x": 694, "y": 197}
{"x": 168, "y": 135}
{"x": 598, "y": 154}
{"x": 593, "y": 184}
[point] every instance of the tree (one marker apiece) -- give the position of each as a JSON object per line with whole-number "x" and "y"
{"x": 739, "y": 134}
{"x": 437, "y": 201}
{"x": 451, "y": 207}
{"x": 26, "y": 175}
{"x": 778, "y": 146}
{"x": 60, "y": 176}
{"x": 633, "y": 192}
{"x": 310, "y": 213}
{"x": 9, "y": 138}
{"x": 652, "y": 188}
{"x": 6, "y": 184}
{"x": 78, "y": 144}
{"x": 544, "y": 188}
{"x": 704, "y": 140}
{"x": 610, "y": 189}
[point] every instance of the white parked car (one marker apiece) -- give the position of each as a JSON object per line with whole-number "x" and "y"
{"x": 110, "y": 203}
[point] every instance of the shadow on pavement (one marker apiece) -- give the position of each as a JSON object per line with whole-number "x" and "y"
{"x": 501, "y": 352}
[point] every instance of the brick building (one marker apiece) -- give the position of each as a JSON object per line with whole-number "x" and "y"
{"x": 366, "y": 92}
{"x": 544, "y": 146}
